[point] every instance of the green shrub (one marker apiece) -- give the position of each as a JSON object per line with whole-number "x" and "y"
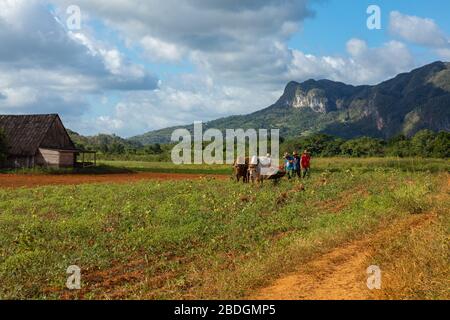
{"x": 412, "y": 198}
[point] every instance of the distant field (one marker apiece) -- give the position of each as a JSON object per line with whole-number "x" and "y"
{"x": 318, "y": 164}
{"x": 217, "y": 239}
{"x": 168, "y": 167}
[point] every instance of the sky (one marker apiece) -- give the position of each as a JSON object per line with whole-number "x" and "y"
{"x": 128, "y": 67}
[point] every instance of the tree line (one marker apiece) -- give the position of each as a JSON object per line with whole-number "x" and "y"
{"x": 424, "y": 143}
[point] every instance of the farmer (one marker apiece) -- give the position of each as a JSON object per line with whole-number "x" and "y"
{"x": 297, "y": 160}
{"x": 306, "y": 163}
{"x": 289, "y": 165}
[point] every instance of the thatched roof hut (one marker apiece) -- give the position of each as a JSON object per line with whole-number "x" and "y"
{"x": 37, "y": 140}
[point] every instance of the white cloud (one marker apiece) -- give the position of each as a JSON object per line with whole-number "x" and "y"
{"x": 17, "y": 97}
{"x": 242, "y": 42}
{"x": 421, "y": 31}
{"x": 372, "y": 65}
{"x": 238, "y": 51}
{"x": 189, "y": 97}
{"x": 364, "y": 65}
{"x": 356, "y": 47}
{"x": 109, "y": 125}
{"x": 158, "y": 50}
{"x": 221, "y": 38}
{"x": 444, "y": 53}
{"x": 181, "y": 100}
{"x": 43, "y": 66}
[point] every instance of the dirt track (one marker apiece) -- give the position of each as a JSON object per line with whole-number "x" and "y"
{"x": 32, "y": 180}
{"x": 339, "y": 274}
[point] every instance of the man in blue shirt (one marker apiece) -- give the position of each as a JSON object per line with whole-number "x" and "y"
{"x": 289, "y": 165}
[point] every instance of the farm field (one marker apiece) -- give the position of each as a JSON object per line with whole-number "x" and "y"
{"x": 169, "y": 167}
{"x": 319, "y": 165}
{"x": 210, "y": 238}
{"x": 35, "y": 180}
{"x": 132, "y": 171}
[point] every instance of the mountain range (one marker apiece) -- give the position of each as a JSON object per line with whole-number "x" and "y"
{"x": 411, "y": 101}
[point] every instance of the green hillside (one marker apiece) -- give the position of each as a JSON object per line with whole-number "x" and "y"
{"x": 405, "y": 105}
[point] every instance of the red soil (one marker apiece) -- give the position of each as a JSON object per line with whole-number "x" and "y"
{"x": 33, "y": 180}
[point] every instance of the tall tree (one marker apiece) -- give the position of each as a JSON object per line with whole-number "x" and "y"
{"x": 441, "y": 145}
{"x": 422, "y": 143}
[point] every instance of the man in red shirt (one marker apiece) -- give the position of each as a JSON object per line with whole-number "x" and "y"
{"x": 306, "y": 163}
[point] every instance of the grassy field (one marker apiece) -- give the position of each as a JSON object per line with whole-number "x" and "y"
{"x": 218, "y": 239}
{"x": 168, "y": 167}
{"x": 318, "y": 165}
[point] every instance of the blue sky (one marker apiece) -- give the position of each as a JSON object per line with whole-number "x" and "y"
{"x": 336, "y": 21}
{"x": 135, "y": 66}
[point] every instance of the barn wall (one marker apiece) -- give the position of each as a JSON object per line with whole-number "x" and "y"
{"x": 55, "y": 158}
{"x": 19, "y": 162}
{"x": 48, "y": 158}
{"x": 66, "y": 159}
{"x": 39, "y": 160}
{"x": 57, "y": 137}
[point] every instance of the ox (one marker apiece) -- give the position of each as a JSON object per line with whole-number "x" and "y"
{"x": 240, "y": 169}
{"x": 261, "y": 168}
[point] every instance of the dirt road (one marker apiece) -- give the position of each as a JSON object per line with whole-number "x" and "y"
{"x": 341, "y": 273}
{"x": 34, "y": 180}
